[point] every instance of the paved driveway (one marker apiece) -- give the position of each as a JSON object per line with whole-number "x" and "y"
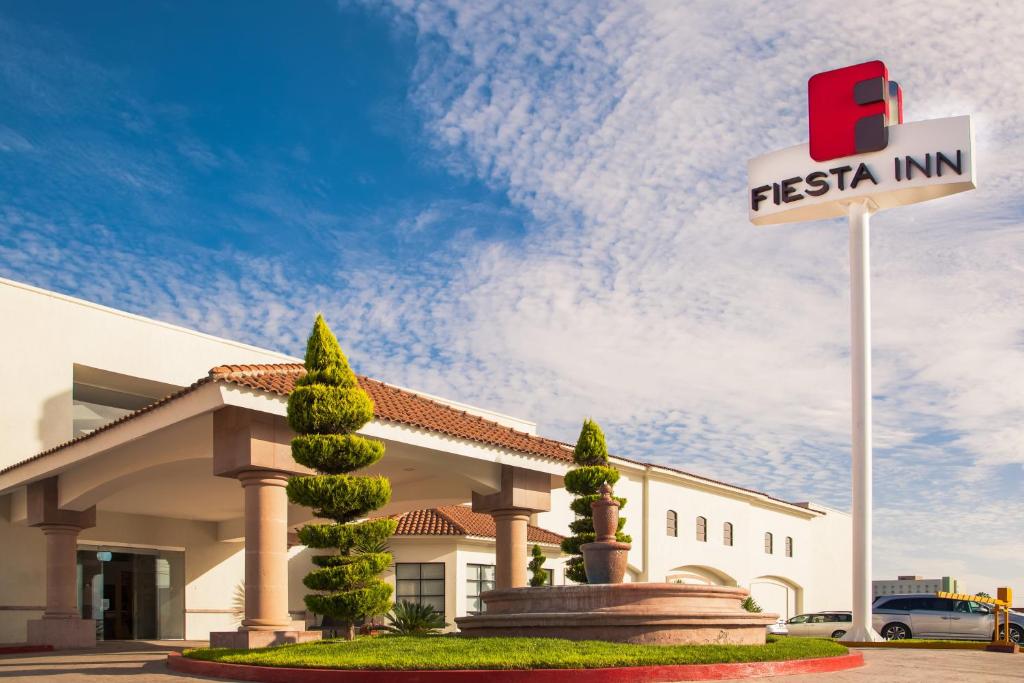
{"x": 143, "y": 662}
{"x": 129, "y": 660}
{"x": 926, "y": 666}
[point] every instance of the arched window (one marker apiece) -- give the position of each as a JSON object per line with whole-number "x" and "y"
{"x": 672, "y": 523}
{"x": 768, "y": 543}
{"x": 789, "y": 546}
{"x": 702, "y": 528}
{"x": 727, "y": 533}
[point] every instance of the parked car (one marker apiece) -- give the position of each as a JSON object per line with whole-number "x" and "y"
{"x": 778, "y": 628}
{"x": 820, "y": 624}
{"x": 926, "y": 616}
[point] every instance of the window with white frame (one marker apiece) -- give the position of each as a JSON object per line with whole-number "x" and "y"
{"x": 421, "y": 583}
{"x": 479, "y": 578}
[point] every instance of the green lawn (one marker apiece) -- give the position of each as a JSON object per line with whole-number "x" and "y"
{"x": 923, "y": 644}
{"x": 452, "y": 652}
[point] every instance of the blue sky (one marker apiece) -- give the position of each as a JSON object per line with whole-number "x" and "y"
{"x": 539, "y": 208}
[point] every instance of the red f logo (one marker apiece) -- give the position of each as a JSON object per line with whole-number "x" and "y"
{"x": 851, "y": 109}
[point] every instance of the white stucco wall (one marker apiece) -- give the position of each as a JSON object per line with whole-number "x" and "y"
{"x": 817, "y": 577}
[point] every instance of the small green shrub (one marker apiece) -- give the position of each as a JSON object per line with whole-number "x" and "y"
{"x": 538, "y": 577}
{"x": 751, "y": 605}
{"x": 412, "y": 619}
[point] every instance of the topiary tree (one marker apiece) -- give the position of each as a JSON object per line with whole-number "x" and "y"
{"x": 591, "y": 455}
{"x": 325, "y": 410}
{"x": 538, "y": 577}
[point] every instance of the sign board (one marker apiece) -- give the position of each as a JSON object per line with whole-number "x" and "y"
{"x": 859, "y": 148}
{"x": 860, "y": 157}
{"x": 922, "y": 160}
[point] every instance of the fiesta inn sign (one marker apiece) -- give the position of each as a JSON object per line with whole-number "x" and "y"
{"x": 861, "y": 157}
{"x": 860, "y": 148}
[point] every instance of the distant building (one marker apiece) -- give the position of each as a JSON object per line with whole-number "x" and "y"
{"x": 914, "y": 584}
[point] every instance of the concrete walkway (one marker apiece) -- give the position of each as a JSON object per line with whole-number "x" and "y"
{"x": 121, "y": 661}
{"x": 924, "y": 666}
{"x": 143, "y": 662}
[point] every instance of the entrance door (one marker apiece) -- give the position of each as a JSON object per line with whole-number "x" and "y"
{"x": 132, "y": 595}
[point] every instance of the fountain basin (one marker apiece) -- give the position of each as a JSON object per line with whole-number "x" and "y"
{"x": 648, "y": 613}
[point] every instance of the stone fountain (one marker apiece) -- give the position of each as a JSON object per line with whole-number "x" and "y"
{"x": 608, "y": 609}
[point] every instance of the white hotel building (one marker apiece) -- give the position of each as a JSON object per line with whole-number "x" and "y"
{"x": 136, "y": 484}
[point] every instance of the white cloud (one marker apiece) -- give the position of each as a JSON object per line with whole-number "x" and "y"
{"x": 643, "y": 297}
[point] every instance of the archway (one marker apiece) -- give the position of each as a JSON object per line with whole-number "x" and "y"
{"x": 700, "y": 575}
{"x": 777, "y": 594}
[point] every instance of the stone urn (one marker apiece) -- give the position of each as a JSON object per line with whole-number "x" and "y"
{"x": 605, "y": 559}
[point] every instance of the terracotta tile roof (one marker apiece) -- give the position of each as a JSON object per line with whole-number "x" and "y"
{"x": 406, "y": 407}
{"x": 459, "y": 520}
{"x": 390, "y": 403}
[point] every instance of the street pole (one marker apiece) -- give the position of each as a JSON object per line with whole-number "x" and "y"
{"x": 861, "y": 630}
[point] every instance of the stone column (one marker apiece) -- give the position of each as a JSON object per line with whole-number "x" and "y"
{"x": 266, "y": 551}
{"x": 61, "y": 626}
{"x": 510, "y": 547}
{"x": 522, "y": 493}
{"x": 61, "y": 571}
{"x": 254, "y": 448}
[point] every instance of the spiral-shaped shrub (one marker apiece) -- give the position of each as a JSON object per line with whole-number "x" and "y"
{"x": 591, "y": 454}
{"x": 325, "y": 410}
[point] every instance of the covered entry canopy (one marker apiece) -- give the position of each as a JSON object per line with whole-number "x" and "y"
{"x": 143, "y": 462}
{"x": 180, "y": 457}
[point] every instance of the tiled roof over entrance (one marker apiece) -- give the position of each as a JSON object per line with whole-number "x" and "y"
{"x": 406, "y": 407}
{"x": 392, "y": 404}
{"x": 459, "y": 520}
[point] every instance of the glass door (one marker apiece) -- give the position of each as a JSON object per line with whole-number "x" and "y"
{"x": 132, "y": 593}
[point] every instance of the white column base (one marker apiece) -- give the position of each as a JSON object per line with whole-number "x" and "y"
{"x": 249, "y": 640}
{"x": 62, "y": 634}
{"x": 859, "y": 634}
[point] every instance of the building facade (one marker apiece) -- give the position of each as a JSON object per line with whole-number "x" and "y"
{"x": 913, "y": 584}
{"x": 141, "y": 481}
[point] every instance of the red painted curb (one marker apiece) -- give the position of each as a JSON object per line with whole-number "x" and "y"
{"x": 631, "y": 674}
{"x": 24, "y": 649}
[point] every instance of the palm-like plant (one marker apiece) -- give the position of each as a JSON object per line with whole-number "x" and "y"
{"x": 751, "y": 605}
{"x": 412, "y": 619}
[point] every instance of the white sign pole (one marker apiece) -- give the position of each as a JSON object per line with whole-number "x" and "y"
{"x": 923, "y": 160}
{"x": 860, "y": 212}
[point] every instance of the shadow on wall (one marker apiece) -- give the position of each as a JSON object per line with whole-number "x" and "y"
{"x": 55, "y": 422}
